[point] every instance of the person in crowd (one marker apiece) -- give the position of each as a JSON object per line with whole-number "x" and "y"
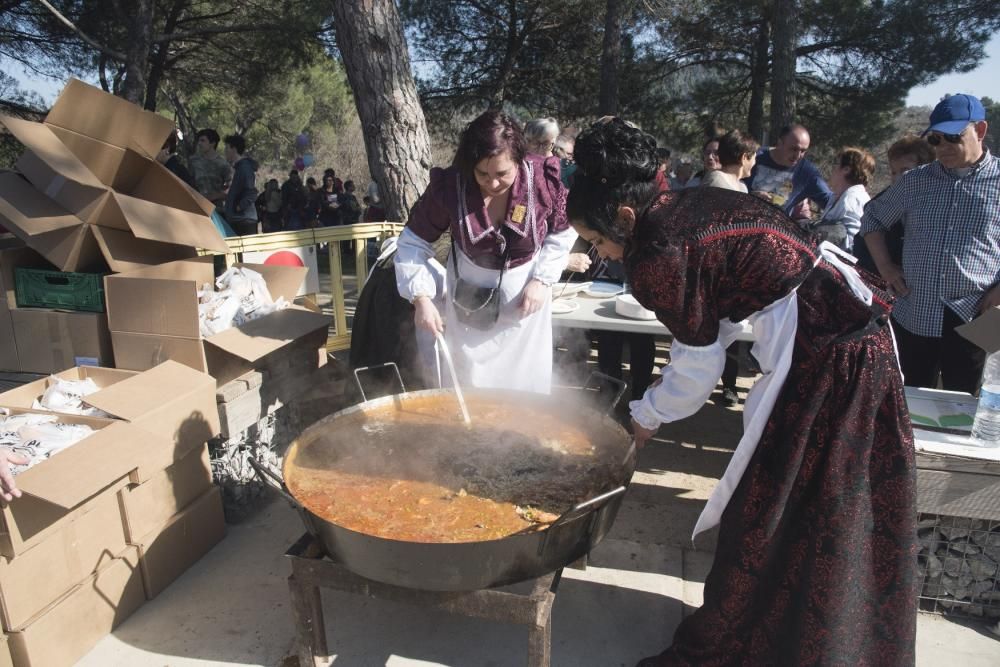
{"x": 329, "y": 202}
{"x": 737, "y": 155}
{"x": 564, "y": 151}
{"x": 350, "y": 208}
{"x": 374, "y": 209}
{"x": 240, "y": 207}
{"x": 211, "y": 171}
{"x": 292, "y": 201}
{"x": 709, "y": 161}
{"x": 338, "y": 185}
{"x": 505, "y": 209}
{"x": 841, "y": 221}
{"x": 905, "y": 154}
{"x": 683, "y": 174}
{"x": 269, "y": 206}
{"x": 168, "y": 158}
{"x": 663, "y": 172}
{"x": 311, "y": 204}
{"x": 951, "y": 259}
{"x": 540, "y": 135}
{"x": 786, "y": 178}
{"x": 736, "y": 162}
{"x": 825, "y": 468}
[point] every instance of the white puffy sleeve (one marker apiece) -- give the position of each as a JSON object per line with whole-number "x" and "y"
{"x": 413, "y": 269}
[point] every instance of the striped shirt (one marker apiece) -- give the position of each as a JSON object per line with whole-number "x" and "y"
{"x": 952, "y": 252}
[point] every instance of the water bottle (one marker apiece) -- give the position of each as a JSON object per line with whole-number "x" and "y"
{"x": 986, "y": 427}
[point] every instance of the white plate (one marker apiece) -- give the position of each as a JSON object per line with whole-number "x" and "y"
{"x": 564, "y": 289}
{"x": 563, "y": 306}
{"x": 627, "y": 306}
{"x": 603, "y": 290}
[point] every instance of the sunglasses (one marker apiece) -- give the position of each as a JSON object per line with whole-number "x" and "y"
{"x": 934, "y": 139}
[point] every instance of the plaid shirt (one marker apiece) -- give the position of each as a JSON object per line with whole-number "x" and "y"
{"x": 951, "y": 256}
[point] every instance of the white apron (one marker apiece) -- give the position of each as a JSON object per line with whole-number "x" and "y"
{"x": 515, "y": 353}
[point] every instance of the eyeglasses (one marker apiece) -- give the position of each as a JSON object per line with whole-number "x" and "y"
{"x": 934, "y": 139}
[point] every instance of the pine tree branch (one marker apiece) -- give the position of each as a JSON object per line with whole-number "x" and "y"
{"x": 81, "y": 34}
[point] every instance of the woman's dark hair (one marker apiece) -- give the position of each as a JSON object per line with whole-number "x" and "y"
{"x": 489, "y": 135}
{"x": 171, "y": 142}
{"x": 733, "y": 145}
{"x": 616, "y": 166}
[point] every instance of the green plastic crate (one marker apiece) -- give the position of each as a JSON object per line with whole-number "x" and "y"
{"x": 39, "y": 288}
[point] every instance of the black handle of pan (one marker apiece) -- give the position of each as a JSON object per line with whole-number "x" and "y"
{"x": 597, "y": 505}
{"x": 607, "y": 378}
{"x": 364, "y": 369}
{"x": 270, "y": 479}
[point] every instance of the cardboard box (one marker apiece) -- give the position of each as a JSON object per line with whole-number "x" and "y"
{"x": 984, "y": 331}
{"x": 171, "y": 401}
{"x": 13, "y": 253}
{"x": 153, "y": 315}
{"x": 166, "y": 553}
{"x": 55, "y": 490}
{"x": 49, "y": 341}
{"x": 24, "y": 396}
{"x": 5, "y": 658}
{"x": 98, "y": 192}
{"x": 68, "y": 629}
{"x": 32, "y": 581}
{"x": 152, "y": 504}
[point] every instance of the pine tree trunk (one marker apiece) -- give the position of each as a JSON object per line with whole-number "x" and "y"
{"x": 140, "y": 40}
{"x": 610, "y": 58}
{"x": 758, "y": 80}
{"x": 371, "y": 42}
{"x": 784, "y": 39}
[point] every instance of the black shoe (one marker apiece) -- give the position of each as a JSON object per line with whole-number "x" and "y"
{"x": 729, "y": 397}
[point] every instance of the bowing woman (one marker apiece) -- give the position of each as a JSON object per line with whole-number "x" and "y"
{"x": 815, "y": 562}
{"x": 510, "y": 241}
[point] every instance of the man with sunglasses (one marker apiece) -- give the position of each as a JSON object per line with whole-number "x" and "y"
{"x": 950, "y": 210}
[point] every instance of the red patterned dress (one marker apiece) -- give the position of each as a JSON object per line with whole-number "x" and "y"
{"x": 816, "y": 559}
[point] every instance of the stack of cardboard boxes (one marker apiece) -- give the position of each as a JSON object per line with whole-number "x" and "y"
{"x": 114, "y": 519}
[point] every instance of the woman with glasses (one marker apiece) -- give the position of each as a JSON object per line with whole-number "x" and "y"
{"x": 505, "y": 211}
{"x": 815, "y": 561}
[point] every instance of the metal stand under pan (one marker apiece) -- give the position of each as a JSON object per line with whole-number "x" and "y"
{"x": 313, "y": 571}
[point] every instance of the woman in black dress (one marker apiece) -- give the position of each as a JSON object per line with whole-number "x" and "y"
{"x": 815, "y": 563}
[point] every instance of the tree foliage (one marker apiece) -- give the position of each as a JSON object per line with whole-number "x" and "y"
{"x": 136, "y": 47}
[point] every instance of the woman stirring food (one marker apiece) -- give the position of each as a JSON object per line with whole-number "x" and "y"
{"x": 505, "y": 210}
{"x": 815, "y": 561}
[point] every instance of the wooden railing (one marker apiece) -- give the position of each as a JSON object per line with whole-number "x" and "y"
{"x": 340, "y": 336}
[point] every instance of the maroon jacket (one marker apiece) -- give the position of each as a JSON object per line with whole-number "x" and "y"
{"x": 537, "y": 208}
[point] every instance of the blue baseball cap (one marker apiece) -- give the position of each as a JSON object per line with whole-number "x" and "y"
{"x": 954, "y": 113}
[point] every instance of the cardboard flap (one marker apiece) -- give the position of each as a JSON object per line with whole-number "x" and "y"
{"x": 29, "y": 210}
{"x": 154, "y": 182}
{"x": 124, "y": 252}
{"x": 44, "y": 143}
{"x": 155, "y": 222}
{"x": 90, "y": 111}
{"x": 131, "y": 398}
{"x": 102, "y": 159}
{"x": 281, "y": 280}
{"x": 80, "y": 471}
{"x": 984, "y": 331}
{"x": 255, "y": 340}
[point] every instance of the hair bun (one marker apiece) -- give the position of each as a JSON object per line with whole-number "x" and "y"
{"x": 613, "y": 152}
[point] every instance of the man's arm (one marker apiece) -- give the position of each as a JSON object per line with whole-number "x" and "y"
{"x": 881, "y": 214}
